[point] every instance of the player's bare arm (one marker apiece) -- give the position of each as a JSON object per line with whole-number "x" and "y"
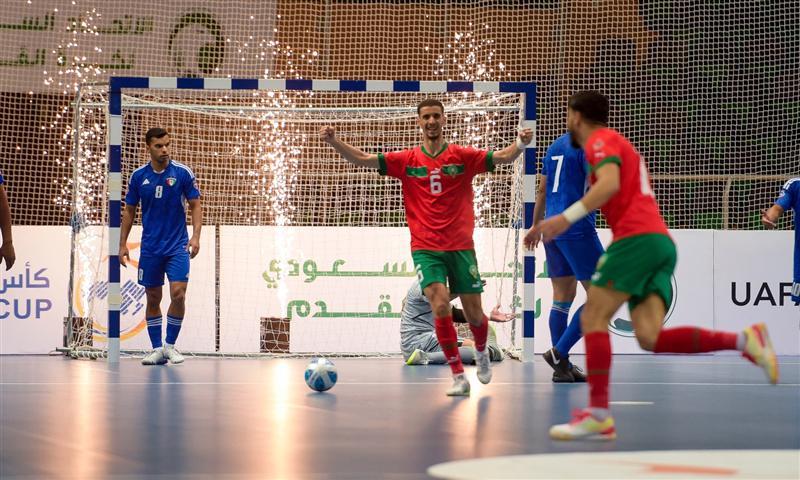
{"x": 498, "y": 316}
{"x": 511, "y": 152}
{"x": 349, "y": 152}
{"x": 769, "y": 218}
{"x": 538, "y": 210}
{"x": 604, "y": 188}
{"x": 128, "y": 215}
{"x": 196, "y": 211}
{"x": 7, "y": 253}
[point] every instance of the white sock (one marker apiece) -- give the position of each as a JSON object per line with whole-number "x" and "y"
{"x": 599, "y": 413}
{"x": 741, "y": 341}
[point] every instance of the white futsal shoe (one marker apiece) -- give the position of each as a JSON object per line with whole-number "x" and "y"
{"x": 172, "y": 354}
{"x": 417, "y": 357}
{"x": 156, "y": 357}
{"x": 460, "y": 386}
{"x": 482, "y": 360}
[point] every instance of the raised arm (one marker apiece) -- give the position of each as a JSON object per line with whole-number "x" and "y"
{"x": 769, "y": 218}
{"x": 349, "y": 152}
{"x": 786, "y": 201}
{"x": 511, "y": 152}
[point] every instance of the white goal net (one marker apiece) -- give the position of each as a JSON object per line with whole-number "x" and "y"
{"x": 301, "y": 253}
{"x": 706, "y": 91}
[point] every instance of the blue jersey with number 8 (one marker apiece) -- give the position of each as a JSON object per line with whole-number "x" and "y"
{"x": 163, "y": 196}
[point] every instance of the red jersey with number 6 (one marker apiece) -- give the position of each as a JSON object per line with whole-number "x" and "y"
{"x": 633, "y": 209}
{"x": 437, "y": 193}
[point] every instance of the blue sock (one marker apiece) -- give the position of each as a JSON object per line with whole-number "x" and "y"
{"x": 154, "y": 330}
{"x": 571, "y": 335}
{"x": 558, "y": 320}
{"x": 173, "y": 328}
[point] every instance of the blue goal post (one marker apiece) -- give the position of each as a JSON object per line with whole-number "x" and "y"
{"x": 117, "y": 86}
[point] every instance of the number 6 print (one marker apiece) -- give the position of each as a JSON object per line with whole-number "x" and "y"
{"x": 436, "y": 184}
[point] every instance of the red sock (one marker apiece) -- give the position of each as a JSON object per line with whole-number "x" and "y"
{"x": 480, "y": 334}
{"x": 598, "y": 366}
{"x": 446, "y": 334}
{"x": 694, "y": 340}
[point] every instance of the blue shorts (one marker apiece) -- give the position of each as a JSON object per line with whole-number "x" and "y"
{"x": 153, "y": 267}
{"x": 573, "y": 257}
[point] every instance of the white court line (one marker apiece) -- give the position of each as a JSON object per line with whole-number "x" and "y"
{"x": 734, "y": 464}
{"x": 694, "y": 384}
{"x": 630, "y": 402}
{"x": 660, "y": 362}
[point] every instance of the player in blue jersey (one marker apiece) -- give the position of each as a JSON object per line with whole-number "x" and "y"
{"x": 7, "y": 248}
{"x": 572, "y": 256}
{"x": 789, "y": 199}
{"x": 163, "y": 186}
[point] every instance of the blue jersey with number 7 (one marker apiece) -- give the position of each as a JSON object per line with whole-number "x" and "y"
{"x": 567, "y": 181}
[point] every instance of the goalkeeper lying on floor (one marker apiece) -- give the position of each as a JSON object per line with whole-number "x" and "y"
{"x": 418, "y": 338}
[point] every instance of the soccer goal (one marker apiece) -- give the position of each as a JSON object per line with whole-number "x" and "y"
{"x": 301, "y": 252}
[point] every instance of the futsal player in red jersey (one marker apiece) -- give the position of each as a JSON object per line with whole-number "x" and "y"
{"x": 636, "y": 268}
{"x": 437, "y": 191}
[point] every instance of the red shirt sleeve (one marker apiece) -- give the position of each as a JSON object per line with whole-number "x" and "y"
{"x": 603, "y": 149}
{"x": 393, "y": 164}
{"x": 476, "y": 161}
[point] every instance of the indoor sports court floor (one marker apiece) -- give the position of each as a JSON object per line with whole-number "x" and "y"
{"x": 255, "y": 418}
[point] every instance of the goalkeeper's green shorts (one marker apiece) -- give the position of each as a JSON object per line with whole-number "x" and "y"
{"x": 640, "y": 265}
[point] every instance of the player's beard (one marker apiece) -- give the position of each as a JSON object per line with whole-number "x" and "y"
{"x": 572, "y": 140}
{"x": 160, "y": 163}
{"x": 433, "y": 135}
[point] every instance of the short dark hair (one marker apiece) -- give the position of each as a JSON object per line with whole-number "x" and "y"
{"x": 155, "y": 132}
{"x": 592, "y": 104}
{"x": 429, "y": 102}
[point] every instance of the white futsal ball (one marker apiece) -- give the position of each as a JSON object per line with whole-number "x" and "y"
{"x": 321, "y": 374}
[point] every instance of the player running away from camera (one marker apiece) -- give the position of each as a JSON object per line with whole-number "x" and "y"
{"x": 436, "y": 179}
{"x": 572, "y": 256}
{"x": 7, "y": 247}
{"x": 637, "y": 267}
{"x": 163, "y": 186}
{"x": 418, "y": 340}
{"x": 789, "y": 199}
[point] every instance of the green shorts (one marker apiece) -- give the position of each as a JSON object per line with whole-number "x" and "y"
{"x": 458, "y": 269}
{"x": 639, "y": 265}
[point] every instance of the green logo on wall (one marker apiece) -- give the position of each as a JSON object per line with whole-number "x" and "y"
{"x": 624, "y": 326}
{"x": 196, "y": 45}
